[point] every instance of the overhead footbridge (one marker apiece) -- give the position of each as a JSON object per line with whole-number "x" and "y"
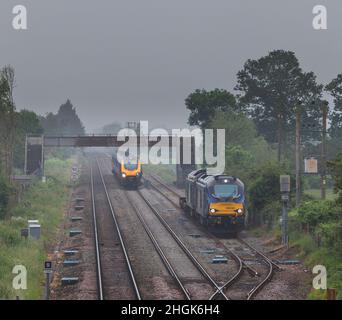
{"x": 36, "y": 145}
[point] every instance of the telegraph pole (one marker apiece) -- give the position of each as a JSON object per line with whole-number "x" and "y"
{"x": 298, "y": 142}
{"x": 325, "y": 109}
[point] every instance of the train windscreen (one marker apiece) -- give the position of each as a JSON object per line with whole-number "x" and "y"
{"x": 225, "y": 190}
{"x": 131, "y": 166}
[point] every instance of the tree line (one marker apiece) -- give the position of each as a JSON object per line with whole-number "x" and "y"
{"x": 259, "y": 117}
{"x": 16, "y": 124}
{"x": 268, "y": 91}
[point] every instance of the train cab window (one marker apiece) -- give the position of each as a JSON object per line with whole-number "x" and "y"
{"x": 131, "y": 165}
{"x": 225, "y": 190}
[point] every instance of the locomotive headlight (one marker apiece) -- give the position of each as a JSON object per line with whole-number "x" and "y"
{"x": 124, "y": 175}
{"x": 239, "y": 210}
{"x": 212, "y": 210}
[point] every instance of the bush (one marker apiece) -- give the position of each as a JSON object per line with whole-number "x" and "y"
{"x": 239, "y": 162}
{"x": 314, "y": 212}
{"x": 323, "y": 220}
{"x": 264, "y": 193}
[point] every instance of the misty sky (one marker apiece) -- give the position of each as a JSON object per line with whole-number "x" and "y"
{"x": 120, "y": 60}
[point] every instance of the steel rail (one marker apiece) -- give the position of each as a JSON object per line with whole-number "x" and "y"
{"x": 123, "y": 246}
{"x": 96, "y": 237}
{"x": 175, "y": 203}
{"x": 156, "y": 178}
{"x": 271, "y": 267}
{"x": 183, "y": 246}
{"x": 160, "y": 251}
{"x": 260, "y": 254}
{"x": 240, "y": 262}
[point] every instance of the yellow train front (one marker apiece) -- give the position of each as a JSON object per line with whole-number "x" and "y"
{"x": 128, "y": 171}
{"x": 217, "y": 200}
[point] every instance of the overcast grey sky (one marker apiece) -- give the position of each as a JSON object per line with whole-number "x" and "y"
{"x": 139, "y": 59}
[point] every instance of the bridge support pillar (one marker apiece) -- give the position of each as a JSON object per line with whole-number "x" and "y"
{"x": 34, "y": 155}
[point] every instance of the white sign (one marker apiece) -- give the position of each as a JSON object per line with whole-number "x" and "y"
{"x": 310, "y": 165}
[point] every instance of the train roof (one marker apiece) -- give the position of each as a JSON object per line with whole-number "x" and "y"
{"x": 202, "y": 177}
{"x": 195, "y": 175}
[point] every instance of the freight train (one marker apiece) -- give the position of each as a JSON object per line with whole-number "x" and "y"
{"x": 128, "y": 171}
{"x": 217, "y": 200}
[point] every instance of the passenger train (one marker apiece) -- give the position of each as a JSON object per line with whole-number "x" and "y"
{"x": 128, "y": 171}
{"x": 217, "y": 200}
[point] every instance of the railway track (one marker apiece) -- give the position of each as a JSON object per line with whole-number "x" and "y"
{"x": 159, "y": 249}
{"x": 158, "y": 185}
{"x": 197, "y": 264}
{"x": 109, "y": 258}
{"x": 164, "y": 185}
{"x": 180, "y": 243}
{"x": 96, "y": 238}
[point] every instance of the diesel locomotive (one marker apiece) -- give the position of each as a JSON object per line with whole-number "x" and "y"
{"x": 128, "y": 171}
{"x": 217, "y": 200}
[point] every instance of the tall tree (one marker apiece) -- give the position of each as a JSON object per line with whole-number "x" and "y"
{"x": 270, "y": 89}
{"x": 27, "y": 122}
{"x": 65, "y": 122}
{"x": 335, "y": 89}
{"x": 335, "y": 167}
{"x": 7, "y": 119}
{"x": 239, "y": 130}
{"x": 204, "y": 104}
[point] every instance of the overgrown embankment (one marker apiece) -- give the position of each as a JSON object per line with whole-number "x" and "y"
{"x": 45, "y": 202}
{"x": 316, "y": 230}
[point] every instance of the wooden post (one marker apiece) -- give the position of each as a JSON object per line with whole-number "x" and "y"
{"x": 47, "y": 286}
{"x": 25, "y": 163}
{"x": 324, "y": 149}
{"x": 331, "y": 294}
{"x": 298, "y": 142}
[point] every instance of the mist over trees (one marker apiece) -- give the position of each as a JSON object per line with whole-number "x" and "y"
{"x": 203, "y": 104}
{"x": 260, "y": 125}
{"x": 112, "y": 128}
{"x": 269, "y": 91}
{"x": 64, "y": 122}
{"x": 15, "y": 125}
{"x": 335, "y": 114}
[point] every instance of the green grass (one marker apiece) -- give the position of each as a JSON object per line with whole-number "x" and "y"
{"x": 312, "y": 255}
{"x": 45, "y": 202}
{"x": 316, "y": 194}
{"x": 307, "y": 250}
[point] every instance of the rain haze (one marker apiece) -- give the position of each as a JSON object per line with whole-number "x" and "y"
{"x": 139, "y": 59}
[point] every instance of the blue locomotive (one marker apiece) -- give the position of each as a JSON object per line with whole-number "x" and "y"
{"x": 217, "y": 200}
